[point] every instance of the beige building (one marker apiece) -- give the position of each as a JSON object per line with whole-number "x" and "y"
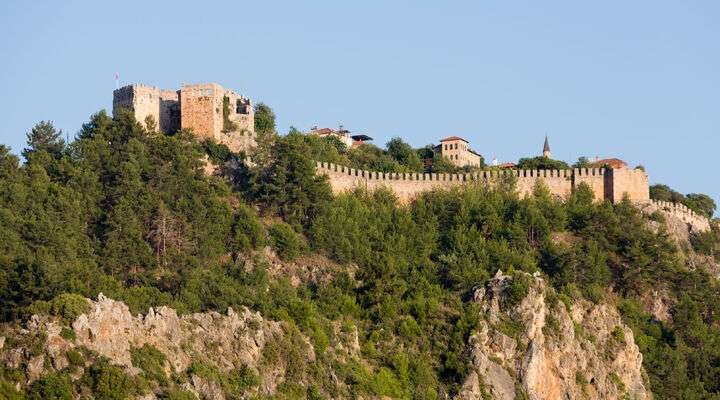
{"x": 208, "y": 109}
{"x": 457, "y": 150}
{"x": 341, "y": 134}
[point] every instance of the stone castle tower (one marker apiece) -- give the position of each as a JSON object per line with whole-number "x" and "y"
{"x": 208, "y": 109}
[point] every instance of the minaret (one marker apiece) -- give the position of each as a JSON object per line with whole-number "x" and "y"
{"x": 546, "y": 148}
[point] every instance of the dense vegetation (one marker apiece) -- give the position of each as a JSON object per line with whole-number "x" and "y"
{"x": 698, "y": 202}
{"x": 130, "y": 213}
{"x": 398, "y": 156}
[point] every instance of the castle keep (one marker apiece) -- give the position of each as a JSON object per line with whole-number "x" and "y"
{"x": 208, "y": 109}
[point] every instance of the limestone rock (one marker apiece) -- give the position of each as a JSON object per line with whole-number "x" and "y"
{"x": 228, "y": 340}
{"x": 539, "y": 348}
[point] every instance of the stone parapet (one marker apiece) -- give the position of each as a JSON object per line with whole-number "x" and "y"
{"x": 561, "y": 183}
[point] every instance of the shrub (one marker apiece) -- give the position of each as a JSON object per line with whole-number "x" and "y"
{"x": 615, "y": 379}
{"x": 68, "y": 306}
{"x": 552, "y": 326}
{"x": 288, "y": 243}
{"x": 178, "y": 394}
{"x": 53, "y": 386}
{"x": 218, "y": 153}
{"x": 67, "y": 334}
{"x": 8, "y": 391}
{"x": 518, "y": 289}
{"x": 581, "y": 380}
{"x": 618, "y": 334}
{"x": 151, "y": 361}
{"x": 248, "y": 231}
{"x": 109, "y": 382}
{"x": 233, "y": 382}
{"x": 75, "y": 358}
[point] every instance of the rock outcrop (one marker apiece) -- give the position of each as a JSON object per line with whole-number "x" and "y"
{"x": 545, "y": 349}
{"x": 227, "y": 343}
{"x": 229, "y": 340}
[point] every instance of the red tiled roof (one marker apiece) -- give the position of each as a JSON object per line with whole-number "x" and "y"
{"x": 612, "y": 162}
{"x": 507, "y": 165}
{"x": 449, "y": 138}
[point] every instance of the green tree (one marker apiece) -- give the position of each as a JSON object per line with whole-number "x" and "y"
{"x": 288, "y": 243}
{"x": 264, "y": 119}
{"x": 582, "y": 162}
{"x": 701, "y": 203}
{"x": 44, "y": 137}
{"x": 541, "y": 163}
{"x": 287, "y": 184}
{"x": 404, "y": 154}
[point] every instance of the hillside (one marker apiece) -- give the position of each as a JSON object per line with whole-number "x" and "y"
{"x": 136, "y": 264}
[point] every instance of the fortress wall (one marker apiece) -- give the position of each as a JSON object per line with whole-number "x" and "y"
{"x": 633, "y": 182}
{"x": 694, "y": 221}
{"x": 143, "y": 100}
{"x": 561, "y": 183}
{"x": 594, "y": 178}
{"x": 149, "y": 101}
{"x": 408, "y": 186}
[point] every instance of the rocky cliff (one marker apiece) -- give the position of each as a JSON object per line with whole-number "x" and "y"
{"x": 202, "y": 352}
{"x": 545, "y": 347}
{"x": 530, "y": 344}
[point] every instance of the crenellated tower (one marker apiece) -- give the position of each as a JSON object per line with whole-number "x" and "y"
{"x": 207, "y": 109}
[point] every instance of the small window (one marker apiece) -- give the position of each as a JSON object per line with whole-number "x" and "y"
{"x": 455, "y": 146}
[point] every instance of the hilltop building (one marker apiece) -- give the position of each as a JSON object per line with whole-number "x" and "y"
{"x": 457, "y": 150}
{"x": 208, "y": 109}
{"x": 341, "y": 134}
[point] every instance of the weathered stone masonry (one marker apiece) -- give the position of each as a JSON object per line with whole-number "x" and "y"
{"x": 609, "y": 184}
{"x": 208, "y": 109}
{"x": 606, "y": 184}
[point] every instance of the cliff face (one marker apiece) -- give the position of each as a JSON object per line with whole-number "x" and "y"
{"x": 544, "y": 349}
{"x": 222, "y": 344}
{"x": 532, "y": 345}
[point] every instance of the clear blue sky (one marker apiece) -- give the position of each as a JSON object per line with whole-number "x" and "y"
{"x": 638, "y": 80}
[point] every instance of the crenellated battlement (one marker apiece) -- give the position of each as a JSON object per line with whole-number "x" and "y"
{"x": 467, "y": 177}
{"x": 207, "y": 109}
{"x": 696, "y": 222}
{"x": 605, "y": 183}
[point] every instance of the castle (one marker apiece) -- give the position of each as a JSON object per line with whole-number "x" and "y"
{"x": 208, "y": 109}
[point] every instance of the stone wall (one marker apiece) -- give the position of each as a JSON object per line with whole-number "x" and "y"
{"x": 202, "y": 107}
{"x": 197, "y": 107}
{"x": 560, "y": 182}
{"x": 633, "y": 183}
{"x": 694, "y": 221}
{"x": 163, "y": 106}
